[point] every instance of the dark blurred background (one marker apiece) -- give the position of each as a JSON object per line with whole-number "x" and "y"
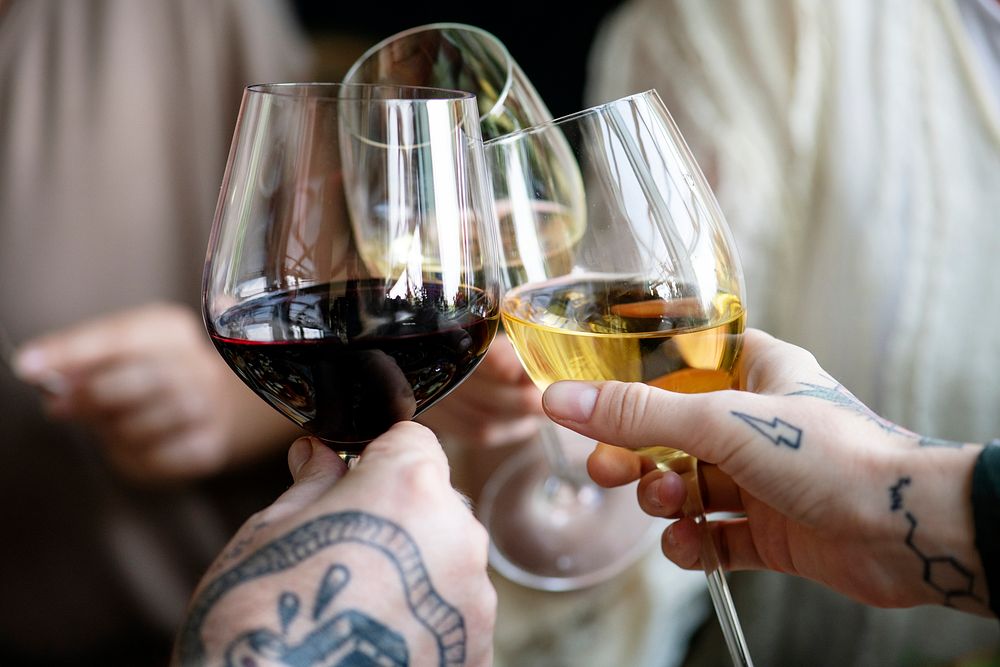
{"x": 549, "y": 39}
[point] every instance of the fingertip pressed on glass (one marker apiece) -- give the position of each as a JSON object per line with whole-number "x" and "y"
{"x": 351, "y": 279}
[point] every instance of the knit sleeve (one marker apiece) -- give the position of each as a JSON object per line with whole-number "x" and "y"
{"x": 743, "y": 82}
{"x": 986, "y": 515}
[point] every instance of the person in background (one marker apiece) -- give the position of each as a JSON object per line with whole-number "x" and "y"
{"x": 115, "y": 120}
{"x": 854, "y": 148}
{"x": 131, "y": 451}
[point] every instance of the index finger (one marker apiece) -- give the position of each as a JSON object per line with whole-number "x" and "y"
{"x": 407, "y": 443}
{"x": 76, "y": 350}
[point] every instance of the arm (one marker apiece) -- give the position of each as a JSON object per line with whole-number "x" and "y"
{"x": 827, "y": 489}
{"x": 149, "y": 382}
{"x": 387, "y": 563}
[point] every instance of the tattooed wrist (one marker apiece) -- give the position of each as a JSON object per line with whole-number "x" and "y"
{"x": 950, "y": 581}
{"x": 928, "y": 523}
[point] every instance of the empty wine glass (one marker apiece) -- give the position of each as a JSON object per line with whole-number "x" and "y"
{"x": 351, "y": 278}
{"x": 651, "y": 292}
{"x": 543, "y": 513}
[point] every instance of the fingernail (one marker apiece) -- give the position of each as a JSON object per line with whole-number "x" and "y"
{"x": 571, "y": 401}
{"x": 671, "y": 540}
{"x": 299, "y": 454}
{"x": 30, "y": 362}
{"x": 653, "y": 493}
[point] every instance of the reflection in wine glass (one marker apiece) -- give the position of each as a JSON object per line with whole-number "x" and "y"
{"x": 313, "y": 312}
{"x": 653, "y": 289}
{"x": 543, "y": 514}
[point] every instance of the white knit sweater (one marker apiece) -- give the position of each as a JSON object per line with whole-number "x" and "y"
{"x": 855, "y": 149}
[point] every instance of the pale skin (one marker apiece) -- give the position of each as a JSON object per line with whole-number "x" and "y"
{"x": 823, "y": 488}
{"x": 341, "y": 563}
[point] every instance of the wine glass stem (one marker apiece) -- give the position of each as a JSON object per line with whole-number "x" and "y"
{"x": 718, "y": 589}
{"x": 553, "y": 449}
{"x": 555, "y": 457}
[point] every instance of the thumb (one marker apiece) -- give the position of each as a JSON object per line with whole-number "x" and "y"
{"x": 635, "y": 415}
{"x": 309, "y": 460}
{"x": 315, "y": 468}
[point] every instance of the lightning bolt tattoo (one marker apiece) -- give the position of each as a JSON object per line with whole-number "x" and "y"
{"x": 777, "y": 431}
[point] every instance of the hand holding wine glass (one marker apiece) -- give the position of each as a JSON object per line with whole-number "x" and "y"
{"x": 331, "y": 569}
{"x": 823, "y": 484}
{"x": 351, "y": 280}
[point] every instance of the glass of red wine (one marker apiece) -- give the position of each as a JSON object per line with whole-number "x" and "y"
{"x": 351, "y": 278}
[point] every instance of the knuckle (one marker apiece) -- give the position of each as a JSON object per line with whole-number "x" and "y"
{"x": 487, "y": 607}
{"x": 628, "y": 404}
{"x": 420, "y": 479}
{"x": 479, "y": 540}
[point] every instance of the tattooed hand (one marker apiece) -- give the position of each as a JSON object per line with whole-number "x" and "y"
{"x": 385, "y": 565}
{"x": 822, "y": 487}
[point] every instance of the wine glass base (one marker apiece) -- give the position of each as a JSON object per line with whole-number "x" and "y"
{"x": 554, "y": 535}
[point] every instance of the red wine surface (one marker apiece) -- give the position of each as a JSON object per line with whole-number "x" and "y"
{"x": 346, "y": 360}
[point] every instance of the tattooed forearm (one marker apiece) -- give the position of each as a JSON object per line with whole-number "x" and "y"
{"x": 944, "y": 573}
{"x": 777, "y": 430}
{"x": 349, "y": 635}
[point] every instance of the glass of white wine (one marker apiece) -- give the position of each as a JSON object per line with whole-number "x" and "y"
{"x": 651, "y": 292}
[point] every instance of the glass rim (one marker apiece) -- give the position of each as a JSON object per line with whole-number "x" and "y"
{"x": 446, "y": 25}
{"x": 340, "y": 91}
{"x": 570, "y": 117}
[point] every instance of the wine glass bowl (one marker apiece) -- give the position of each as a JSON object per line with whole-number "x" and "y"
{"x": 351, "y": 278}
{"x": 542, "y": 512}
{"x": 461, "y": 57}
{"x": 652, "y": 291}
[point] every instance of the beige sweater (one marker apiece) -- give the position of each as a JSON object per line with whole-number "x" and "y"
{"x": 115, "y": 122}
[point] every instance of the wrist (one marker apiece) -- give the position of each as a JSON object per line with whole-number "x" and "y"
{"x": 927, "y": 526}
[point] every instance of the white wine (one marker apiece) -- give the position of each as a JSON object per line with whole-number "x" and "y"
{"x": 602, "y": 327}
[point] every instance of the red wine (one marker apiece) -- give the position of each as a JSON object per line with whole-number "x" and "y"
{"x": 346, "y": 360}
